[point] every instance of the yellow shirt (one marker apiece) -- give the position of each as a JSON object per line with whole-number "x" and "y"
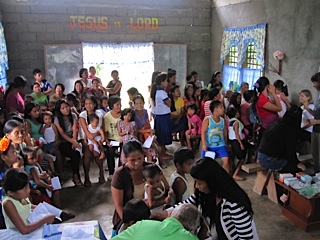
{"x": 179, "y": 105}
{"x": 111, "y": 126}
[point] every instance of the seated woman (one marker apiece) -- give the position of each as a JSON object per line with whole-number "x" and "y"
{"x": 58, "y": 93}
{"x": 277, "y": 147}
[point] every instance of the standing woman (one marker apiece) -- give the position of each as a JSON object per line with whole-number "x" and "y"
{"x": 114, "y": 86}
{"x": 266, "y": 109}
{"x": 90, "y": 107}
{"x": 67, "y": 125}
{"x": 58, "y": 93}
{"x": 83, "y": 74}
{"x": 215, "y": 78}
{"x": 161, "y": 111}
{"x": 14, "y": 96}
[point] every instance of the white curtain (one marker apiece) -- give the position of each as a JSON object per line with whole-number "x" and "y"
{"x": 133, "y": 61}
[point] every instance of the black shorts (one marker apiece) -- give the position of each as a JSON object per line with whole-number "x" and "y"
{"x": 240, "y": 154}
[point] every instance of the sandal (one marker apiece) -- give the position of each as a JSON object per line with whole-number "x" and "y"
{"x": 102, "y": 179}
{"x": 77, "y": 182}
{"x": 237, "y": 178}
{"x": 87, "y": 183}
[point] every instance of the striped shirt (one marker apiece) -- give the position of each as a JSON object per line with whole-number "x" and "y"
{"x": 236, "y": 221}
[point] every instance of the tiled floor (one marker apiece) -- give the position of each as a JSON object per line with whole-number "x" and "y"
{"x": 95, "y": 203}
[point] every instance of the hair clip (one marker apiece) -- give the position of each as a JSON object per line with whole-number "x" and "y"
{"x": 256, "y": 85}
{"x": 4, "y": 144}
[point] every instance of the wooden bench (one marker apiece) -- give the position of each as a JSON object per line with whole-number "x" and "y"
{"x": 265, "y": 180}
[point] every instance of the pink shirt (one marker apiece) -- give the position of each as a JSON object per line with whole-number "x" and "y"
{"x": 195, "y": 122}
{"x": 244, "y": 113}
{"x": 206, "y": 108}
{"x": 14, "y": 100}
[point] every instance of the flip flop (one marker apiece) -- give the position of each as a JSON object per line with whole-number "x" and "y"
{"x": 239, "y": 178}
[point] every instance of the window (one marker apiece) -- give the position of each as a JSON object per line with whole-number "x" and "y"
{"x": 251, "y": 57}
{"x": 249, "y": 71}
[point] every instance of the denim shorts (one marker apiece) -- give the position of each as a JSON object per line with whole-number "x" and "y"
{"x": 271, "y": 163}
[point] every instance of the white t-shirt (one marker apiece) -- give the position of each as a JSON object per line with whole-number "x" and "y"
{"x": 49, "y": 134}
{"x": 84, "y": 115}
{"x": 305, "y": 116}
{"x": 160, "y": 107}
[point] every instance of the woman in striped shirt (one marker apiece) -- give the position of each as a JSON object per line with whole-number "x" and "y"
{"x": 225, "y": 207}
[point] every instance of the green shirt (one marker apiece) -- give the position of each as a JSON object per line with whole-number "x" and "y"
{"x": 41, "y": 100}
{"x": 168, "y": 229}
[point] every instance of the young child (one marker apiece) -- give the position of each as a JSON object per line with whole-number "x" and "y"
{"x": 282, "y": 93}
{"x": 188, "y": 95}
{"x": 213, "y": 95}
{"x": 104, "y": 106}
{"x": 126, "y": 128}
{"x": 40, "y": 180}
{"x": 194, "y": 124}
{"x": 73, "y": 103}
{"x": 131, "y": 93}
{"x": 45, "y": 86}
{"x": 237, "y": 142}
{"x": 16, "y": 206}
{"x": 95, "y": 145}
{"x": 183, "y": 159}
{"x": 214, "y": 133}
{"x": 135, "y": 210}
{"x": 38, "y": 96}
{"x": 50, "y": 133}
{"x": 156, "y": 191}
{"x": 203, "y": 99}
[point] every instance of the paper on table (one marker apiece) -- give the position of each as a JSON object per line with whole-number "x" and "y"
{"x": 148, "y": 142}
{"x": 210, "y": 154}
{"x": 114, "y": 143}
{"x": 78, "y": 232}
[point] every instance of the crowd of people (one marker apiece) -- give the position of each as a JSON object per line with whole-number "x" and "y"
{"x": 39, "y": 130}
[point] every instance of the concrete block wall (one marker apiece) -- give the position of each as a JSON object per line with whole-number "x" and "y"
{"x": 29, "y": 25}
{"x": 293, "y": 28}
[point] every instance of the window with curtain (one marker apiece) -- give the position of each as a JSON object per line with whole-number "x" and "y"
{"x": 133, "y": 61}
{"x": 3, "y": 58}
{"x": 242, "y": 55}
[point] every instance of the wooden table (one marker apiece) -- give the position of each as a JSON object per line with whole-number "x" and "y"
{"x": 300, "y": 210}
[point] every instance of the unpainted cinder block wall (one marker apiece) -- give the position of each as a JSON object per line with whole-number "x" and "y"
{"x": 29, "y": 25}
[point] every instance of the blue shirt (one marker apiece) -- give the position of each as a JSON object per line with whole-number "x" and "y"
{"x": 45, "y": 85}
{"x": 215, "y": 133}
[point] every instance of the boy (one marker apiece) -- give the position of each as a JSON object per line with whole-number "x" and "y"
{"x": 183, "y": 159}
{"x": 45, "y": 86}
{"x": 214, "y": 133}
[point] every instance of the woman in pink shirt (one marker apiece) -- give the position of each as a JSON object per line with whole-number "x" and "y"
{"x": 14, "y": 95}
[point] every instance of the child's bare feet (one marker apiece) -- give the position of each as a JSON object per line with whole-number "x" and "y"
{"x": 102, "y": 156}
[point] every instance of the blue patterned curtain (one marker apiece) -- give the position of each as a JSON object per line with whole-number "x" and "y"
{"x": 232, "y": 77}
{"x": 242, "y": 37}
{"x": 3, "y": 58}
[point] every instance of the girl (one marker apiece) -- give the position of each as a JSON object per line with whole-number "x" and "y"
{"x": 161, "y": 111}
{"x": 126, "y": 128}
{"x": 72, "y": 100}
{"x": 196, "y": 95}
{"x": 155, "y": 189}
{"x": 305, "y": 98}
{"x": 265, "y": 109}
{"x": 90, "y": 106}
{"x": 58, "y": 93}
{"x": 282, "y": 94}
{"x": 83, "y": 74}
{"x": 131, "y": 93}
{"x": 188, "y": 95}
{"x": 38, "y": 96}
{"x": 33, "y": 121}
{"x": 114, "y": 86}
{"x": 79, "y": 91}
{"x": 13, "y": 97}
{"x": 216, "y": 78}
{"x": 213, "y": 95}
{"x": 178, "y": 116}
{"x": 67, "y": 125}
{"x": 172, "y": 78}
{"x": 16, "y": 206}
{"x": 111, "y": 131}
{"x": 194, "y": 124}
{"x": 235, "y": 101}
{"x": 183, "y": 159}
{"x": 237, "y": 142}
{"x": 104, "y": 106}
{"x": 144, "y": 128}
{"x": 40, "y": 180}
